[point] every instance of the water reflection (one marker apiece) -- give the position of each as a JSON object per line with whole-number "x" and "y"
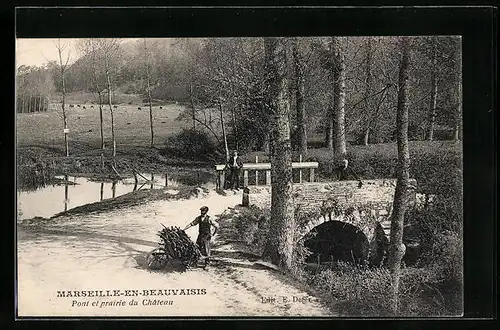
{"x": 46, "y": 202}
{"x": 113, "y": 188}
{"x": 102, "y": 191}
{"x": 66, "y": 199}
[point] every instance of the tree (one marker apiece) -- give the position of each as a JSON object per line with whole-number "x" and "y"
{"x": 434, "y": 91}
{"x": 339, "y": 140}
{"x": 110, "y": 49}
{"x": 280, "y": 239}
{"x": 368, "y": 86}
{"x": 62, "y": 69}
{"x": 396, "y": 248}
{"x": 458, "y": 115}
{"x": 148, "y": 88}
{"x": 34, "y": 85}
{"x": 298, "y": 62}
{"x": 90, "y": 49}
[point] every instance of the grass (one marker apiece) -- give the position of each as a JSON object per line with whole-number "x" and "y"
{"x": 132, "y": 127}
{"x": 83, "y": 98}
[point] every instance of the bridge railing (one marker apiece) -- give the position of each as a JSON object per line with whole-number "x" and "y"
{"x": 258, "y": 168}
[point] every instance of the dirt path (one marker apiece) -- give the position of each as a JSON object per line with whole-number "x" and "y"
{"x": 107, "y": 252}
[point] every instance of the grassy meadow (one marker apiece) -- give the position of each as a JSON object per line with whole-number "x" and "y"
{"x": 132, "y": 128}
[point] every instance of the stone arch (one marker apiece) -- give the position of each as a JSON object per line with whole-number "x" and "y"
{"x": 369, "y": 219}
{"x": 352, "y": 216}
{"x": 336, "y": 240}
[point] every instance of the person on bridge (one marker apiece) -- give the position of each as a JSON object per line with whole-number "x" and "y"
{"x": 234, "y": 164}
{"x": 205, "y": 233}
{"x": 345, "y": 172}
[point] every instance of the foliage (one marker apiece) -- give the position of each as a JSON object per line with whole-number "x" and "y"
{"x": 363, "y": 291}
{"x": 355, "y": 291}
{"x": 190, "y": 144}
{"x": 251, "y": 227}
{"x": 33, "y": 170}
{"x": 437, "y": 167}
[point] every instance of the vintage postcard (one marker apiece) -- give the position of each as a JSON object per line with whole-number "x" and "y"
{"x": 239, "y": 176}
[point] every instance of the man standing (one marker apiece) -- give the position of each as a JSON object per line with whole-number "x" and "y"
{"x": 234, "y": 164}
{"x": 345, "y": 172}
{"x": 205, "y": 232}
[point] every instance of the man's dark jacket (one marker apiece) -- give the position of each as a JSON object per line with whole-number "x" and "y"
{"x": 230, "y": 163}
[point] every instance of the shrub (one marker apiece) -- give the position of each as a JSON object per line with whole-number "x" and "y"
{"x": 33, "y": 170}
{"x": 251, "y": 226}
{"x": 355, "y": 291}
{"x": 190, "y": 144}
{"x": 361, "y": 291}
{"x": 418, "y": 295}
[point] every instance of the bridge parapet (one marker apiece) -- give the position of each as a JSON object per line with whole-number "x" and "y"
{"x": 265, "y": 169}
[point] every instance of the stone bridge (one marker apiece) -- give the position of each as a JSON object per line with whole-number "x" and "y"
{"x": 367, "y": 208}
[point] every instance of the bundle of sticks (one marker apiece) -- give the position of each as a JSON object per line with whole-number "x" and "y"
{"x": 176, "y": 244}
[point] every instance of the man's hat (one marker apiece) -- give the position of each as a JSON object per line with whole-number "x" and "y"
{"x": 204, "y": 208}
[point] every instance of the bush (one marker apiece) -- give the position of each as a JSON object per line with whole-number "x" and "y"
{"x": 251, "y": 226}
{"x": 437, "y": 167}
{"x": 190, "y": 144}
{"x": 355, "y": 291}
{"x": 361, "y": 291}
{"x": 34, "y": 170}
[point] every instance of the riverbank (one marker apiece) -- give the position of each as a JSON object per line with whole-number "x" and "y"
{"x": 37, "y": 166}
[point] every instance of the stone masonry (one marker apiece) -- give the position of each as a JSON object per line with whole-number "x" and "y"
{"x": 365, "y": 207}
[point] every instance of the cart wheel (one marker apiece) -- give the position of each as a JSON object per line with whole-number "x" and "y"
{"x": 157, "y": 259}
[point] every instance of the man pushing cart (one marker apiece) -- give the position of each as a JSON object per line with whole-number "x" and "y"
{"x": 205, "y": 233}
{"x": 175, "y": 244}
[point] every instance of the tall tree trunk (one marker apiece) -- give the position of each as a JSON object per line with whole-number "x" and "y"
{"x": 224, "y": 136}
{"x": 372, "y": 124}
{"x": 339, "y": 143}
{"x": 235, "y": 128}
{"x": 148, "y": 86}
{"x": 434, "y": 86}
{"x": 368, "y": 88}
{"x": 330, "y": 112}
{"x": 329, "y": 128}
{"x": 396, "y": 248}
{"x": 63, "y": 103}
{"x": 100, "y": 99}
{"x": 458, "y": 115}
{"x": 280, "y": 238}
{"x": 108, "y": 81}
{"x": 266, "y": 143}
{"x": 191, "y": 100}
{"x": 268, "y": 80}
{"x": 299, "y": 98}
{"x": 101, "y": 128}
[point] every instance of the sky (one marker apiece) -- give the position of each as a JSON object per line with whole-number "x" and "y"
{"x": 40, "y": 51}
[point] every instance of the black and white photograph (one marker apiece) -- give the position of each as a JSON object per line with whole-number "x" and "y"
{"x": 273, "y": 176}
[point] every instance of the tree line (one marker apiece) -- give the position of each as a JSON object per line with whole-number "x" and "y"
{"x": 341, "y": 88}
